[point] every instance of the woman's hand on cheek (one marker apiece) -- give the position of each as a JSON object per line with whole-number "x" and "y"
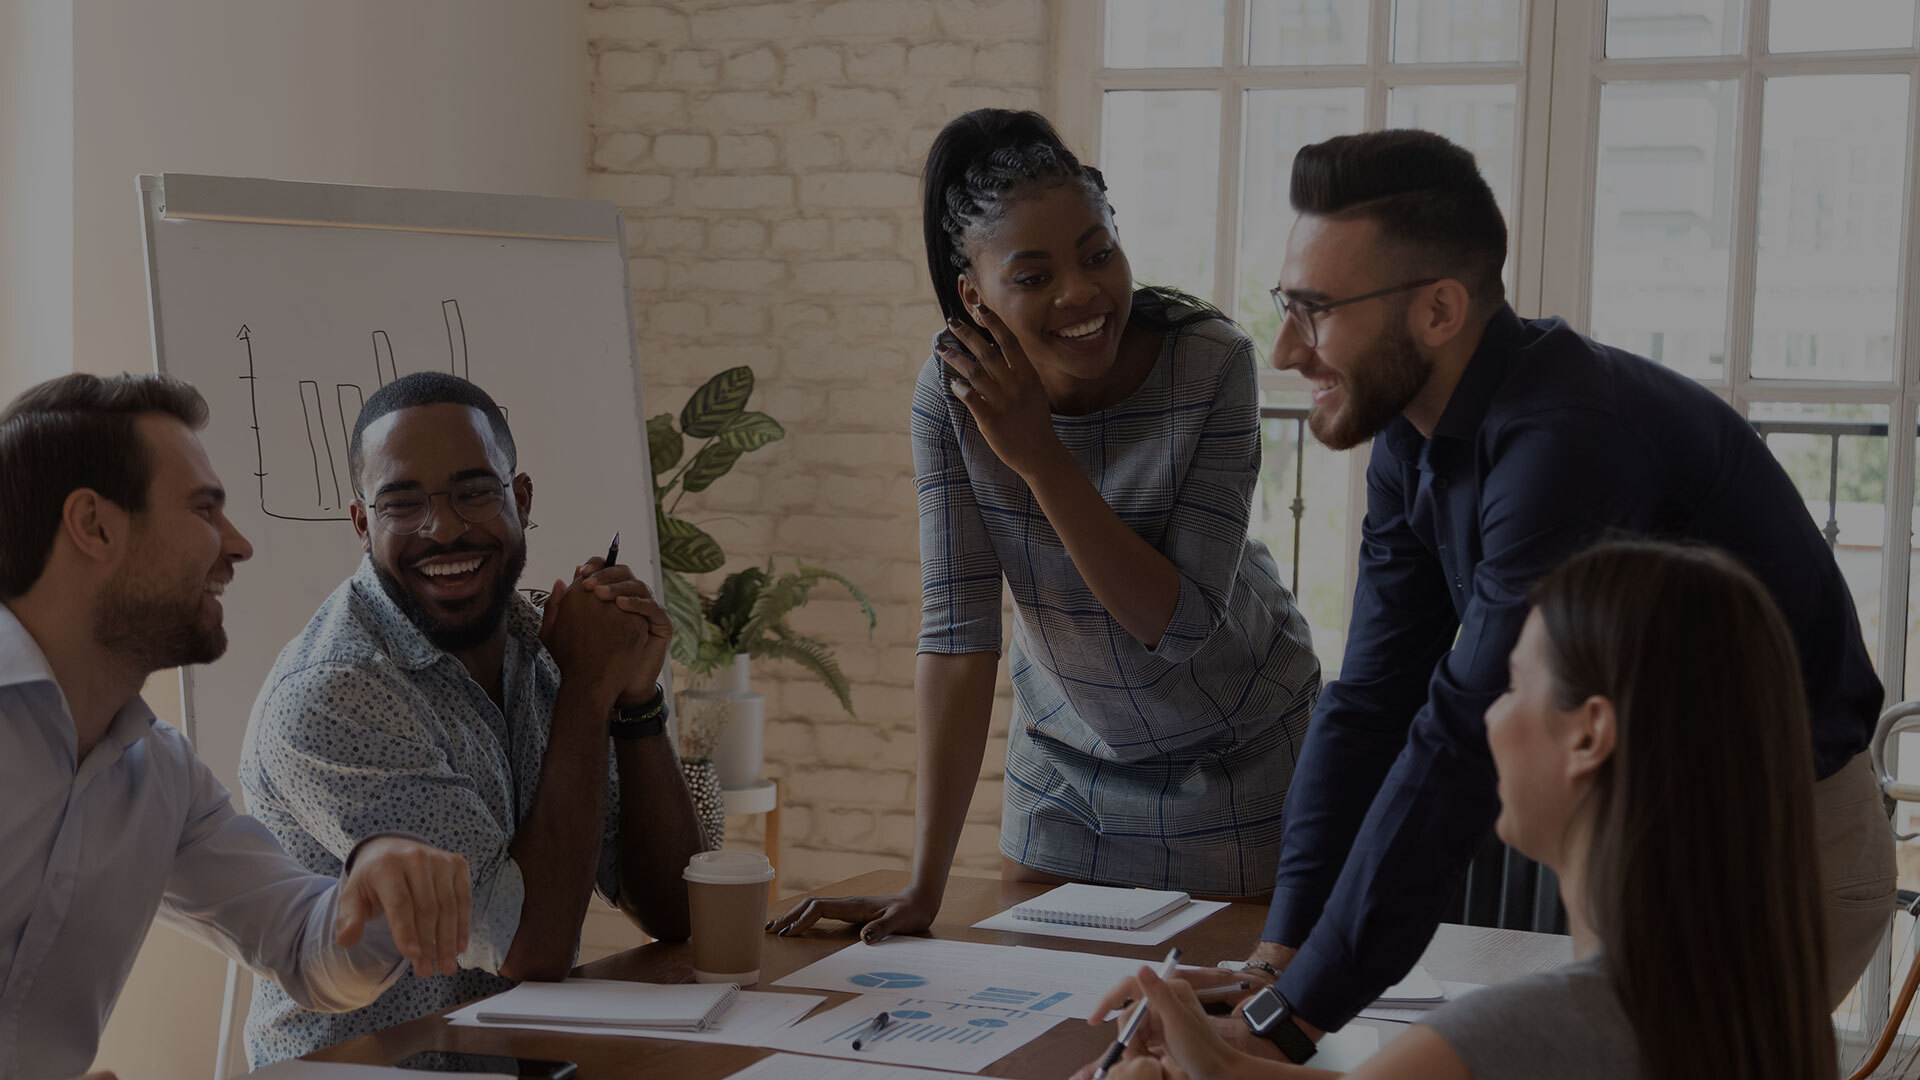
{"x": 998, "y": 386}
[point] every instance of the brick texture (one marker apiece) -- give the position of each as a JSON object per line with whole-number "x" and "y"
{"x": 767, "y": 156}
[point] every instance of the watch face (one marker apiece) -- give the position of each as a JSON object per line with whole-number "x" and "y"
{"x": 1263, "y": 1008}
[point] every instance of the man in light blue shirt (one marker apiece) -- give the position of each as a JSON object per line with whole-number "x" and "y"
{"x": 114, "y": 551}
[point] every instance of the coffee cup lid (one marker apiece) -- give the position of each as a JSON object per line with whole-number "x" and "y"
{"x": 728, "y": 868}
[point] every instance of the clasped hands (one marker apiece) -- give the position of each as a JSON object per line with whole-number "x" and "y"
{"x": 606, "y": 627}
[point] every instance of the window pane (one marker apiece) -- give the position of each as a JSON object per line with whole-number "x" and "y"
{"x": 1151, "y": 33}
{"x": 1480, "y": 118}
{"x": 1278, "y": 123}
{"x": 1321, "y": 526}
{"x": 1307, "y": 32}
{"x": 1824, "y": 25}
{"x": 1455, "y": 31}
{"x": 1837, "y": 457}
{"x": 1640, "y": 28}
{"x": 1662, "y": 220}
{"x": 1160, "y": 150}
{"x": 1832, "y": 169}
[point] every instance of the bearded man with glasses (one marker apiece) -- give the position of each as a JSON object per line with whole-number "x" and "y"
{"x": 429, "y": 697}
{"x": 1500, "y": 447}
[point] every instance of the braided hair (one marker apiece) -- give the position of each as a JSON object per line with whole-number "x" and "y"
{"x": 984, "y": 161}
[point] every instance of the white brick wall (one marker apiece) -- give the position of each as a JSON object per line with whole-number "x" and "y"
{"x": 768, "y": 156}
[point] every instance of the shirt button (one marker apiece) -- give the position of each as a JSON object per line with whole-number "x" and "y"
{"x": 1441, "y": 483}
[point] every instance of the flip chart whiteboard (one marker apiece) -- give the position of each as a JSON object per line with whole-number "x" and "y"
{"x": 287, "y": 304}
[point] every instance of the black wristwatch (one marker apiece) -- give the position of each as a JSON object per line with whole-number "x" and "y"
{"x": 641, "y": 721}
{"x": 1270, "y": 1016}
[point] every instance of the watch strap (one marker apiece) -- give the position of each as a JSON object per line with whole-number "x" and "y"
{"x": 1294, "y": 1044}
{"x": 641, "y": 721}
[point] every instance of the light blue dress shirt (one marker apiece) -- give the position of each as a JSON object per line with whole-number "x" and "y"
{"x": 91, "y": 851}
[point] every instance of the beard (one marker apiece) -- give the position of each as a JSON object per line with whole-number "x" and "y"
{"x": 471, "y": 633}
{"x": 158, "y": 625}
{"x": 1379, "y": 386}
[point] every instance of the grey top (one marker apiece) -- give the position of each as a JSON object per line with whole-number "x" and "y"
{"x": 364, "y": 726}
{"x": 1566, "y": 1024}
{"x": 1121, "y": 755}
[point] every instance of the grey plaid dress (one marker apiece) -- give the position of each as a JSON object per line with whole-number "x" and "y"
{"x": 1165, "y": 767}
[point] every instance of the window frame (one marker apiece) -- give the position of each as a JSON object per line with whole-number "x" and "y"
{"x": 1580, "y": 68}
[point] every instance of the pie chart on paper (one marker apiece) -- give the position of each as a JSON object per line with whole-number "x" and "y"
{"x": 887, "y": 980}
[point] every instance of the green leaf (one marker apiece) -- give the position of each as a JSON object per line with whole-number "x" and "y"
{"x": 813, "y": 656}
{"x": 689, "y": 625}
{"x": 664, "y": 445}
{"x": 749, "y": 431}
{"x": 708, "y": 410}
{"x": 866, "y": 604}
{"x": 685, "y": 547}
{"x": 734, "y": 602}
{"x": 712, "y": 462}
{"x": 789, "y": 591}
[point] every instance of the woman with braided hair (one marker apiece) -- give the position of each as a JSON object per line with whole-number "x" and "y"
{"x": 1095, "y": 445}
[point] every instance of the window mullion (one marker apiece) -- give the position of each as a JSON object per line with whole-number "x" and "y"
{"x": 1741, "y": 290}
{"x": 1226, "y": 247}
{"x": 1530, "y": 186}
{"x": 1901, "y": 452}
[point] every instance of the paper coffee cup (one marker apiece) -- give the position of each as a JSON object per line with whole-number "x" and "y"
{"x": 727, "y": 891}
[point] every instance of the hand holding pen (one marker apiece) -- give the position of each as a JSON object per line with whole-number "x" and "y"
{"x": 1132, "y": 1025}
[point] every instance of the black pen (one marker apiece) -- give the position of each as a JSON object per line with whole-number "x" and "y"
{"x": 1119, "y": 1046}
{"x": 874, "y": 1027}
{"x": 613, "y": 549}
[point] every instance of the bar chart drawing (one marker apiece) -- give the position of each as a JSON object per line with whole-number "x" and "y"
{"x": 284, "y": 489}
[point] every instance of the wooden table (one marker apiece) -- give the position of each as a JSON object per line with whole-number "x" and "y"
{"x": 1458, "y": 953}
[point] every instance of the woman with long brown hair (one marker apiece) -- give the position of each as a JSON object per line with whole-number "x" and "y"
{"x": 1652, "y": 748}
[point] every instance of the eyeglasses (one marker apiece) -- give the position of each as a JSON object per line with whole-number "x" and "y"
{"x": 1307, "y": 314}
{"x": 475, "y": 501}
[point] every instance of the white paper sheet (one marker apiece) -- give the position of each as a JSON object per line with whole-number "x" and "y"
{"x": 928, "y": 1034}
{"x": 753, "y": 1015}
{"x": 1039, "y": 980}
{"x": 1404, "y": 1015}
{"x": 295, "y": 1069}
{"x": 795, "y": 1067}
{"x": 1344, "y": 1050}
{"x": 1152, "y": 934}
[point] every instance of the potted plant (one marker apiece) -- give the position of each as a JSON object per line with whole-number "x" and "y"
{"x": 716, "y": 637}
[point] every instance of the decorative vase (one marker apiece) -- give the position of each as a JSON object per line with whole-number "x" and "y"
{"x": 709, "y": 805}
{"x": 740, "y": 750}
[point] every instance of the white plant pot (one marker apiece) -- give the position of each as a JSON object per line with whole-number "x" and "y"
{"x": 740, "y": 751}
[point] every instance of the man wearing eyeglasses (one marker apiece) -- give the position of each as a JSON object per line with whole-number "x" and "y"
{"x": 1501, "y": 446}
{"x": 428, "y": 697}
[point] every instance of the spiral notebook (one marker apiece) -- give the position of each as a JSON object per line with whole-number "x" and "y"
{"x": 1101, "y": 905}
{"x": 611, "y": 1003}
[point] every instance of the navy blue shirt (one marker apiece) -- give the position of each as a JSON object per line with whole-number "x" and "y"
{"x": 1549, "y": 442}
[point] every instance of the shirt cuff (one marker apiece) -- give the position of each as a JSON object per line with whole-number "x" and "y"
{"x": 1323, "y": 989}
{"x": 1290, "y": 917}
{"x": 346, "y": 870}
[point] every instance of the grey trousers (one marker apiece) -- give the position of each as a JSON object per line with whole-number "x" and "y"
{"x": 1856, "y": 870}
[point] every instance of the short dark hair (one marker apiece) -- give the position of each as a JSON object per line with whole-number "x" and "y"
{"x": 428, "y": 388}
{"x": 1424, "y": 193}
{"x": 73, "y": 432}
